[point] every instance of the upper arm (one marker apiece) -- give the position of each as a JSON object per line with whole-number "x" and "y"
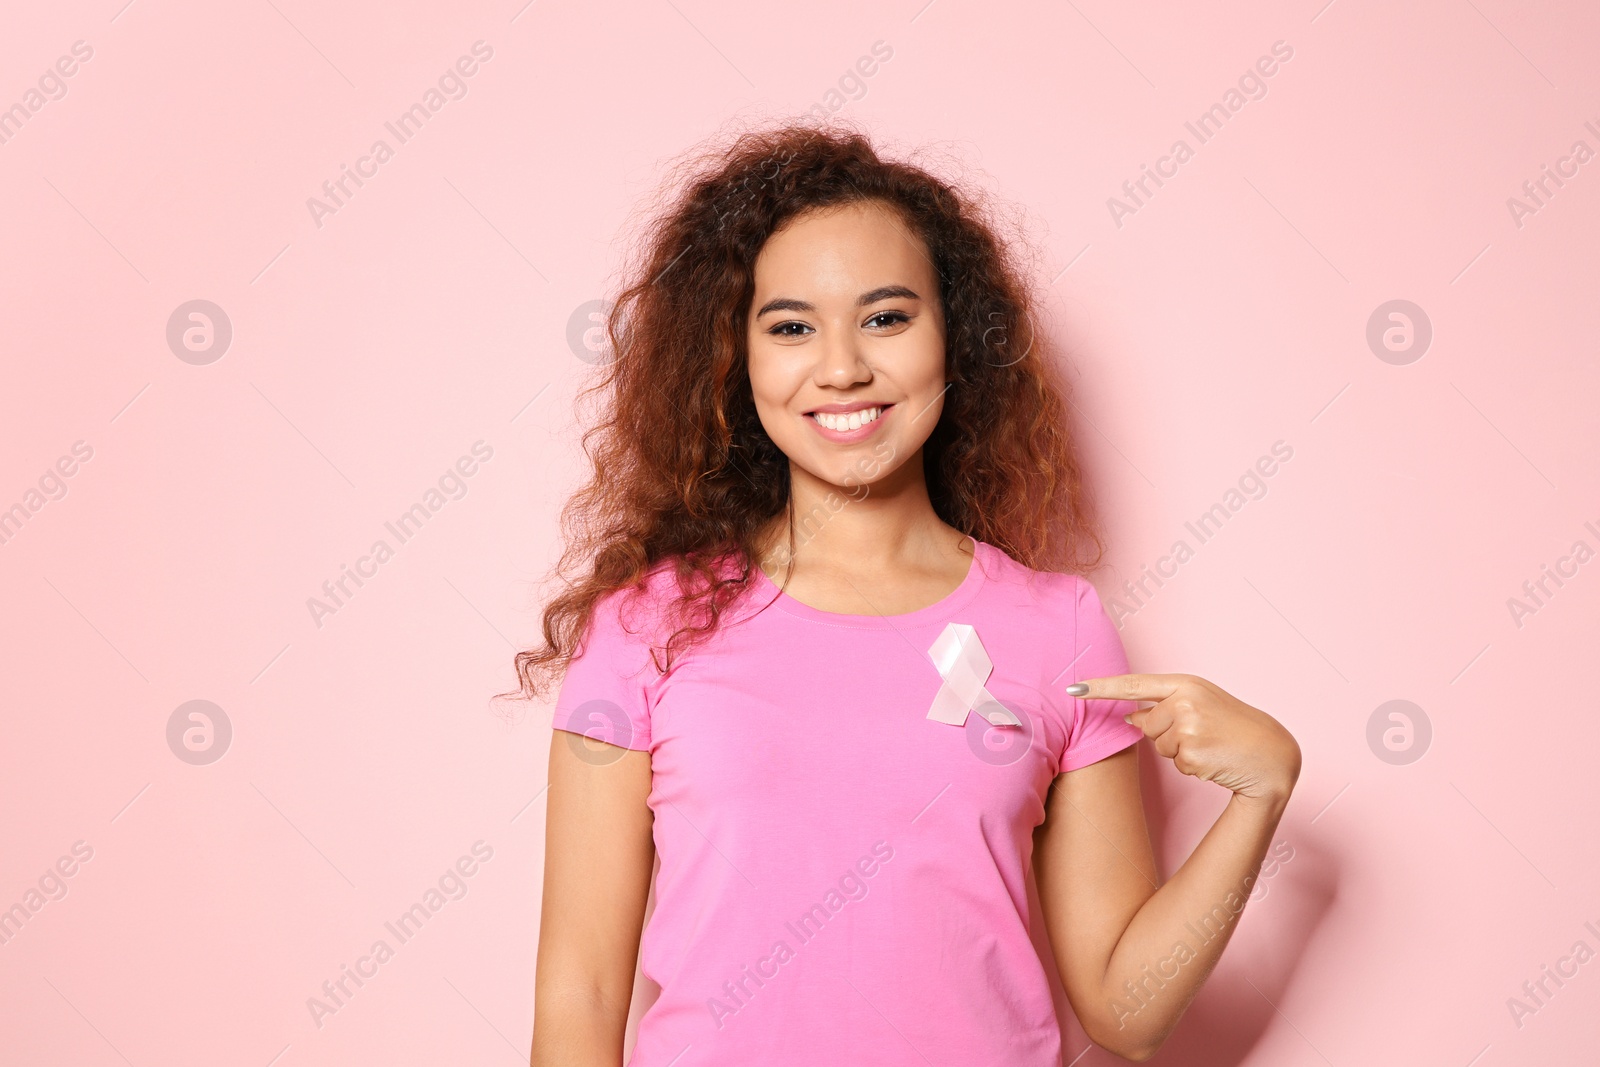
{"x": 599, "y": 849}
{"x": 598, "y": 858}
{"x": 1095, "y": 869}
{"x": 1092, "y": 857}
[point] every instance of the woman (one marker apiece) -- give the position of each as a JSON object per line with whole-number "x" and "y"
{"x": 825, "y": 629}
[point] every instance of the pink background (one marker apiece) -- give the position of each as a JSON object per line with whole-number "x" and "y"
{"x": 431, "y": 311}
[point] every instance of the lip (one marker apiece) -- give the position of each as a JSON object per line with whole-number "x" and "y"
{"x": 845, "y": 409}
{"x": 847, "y": 437}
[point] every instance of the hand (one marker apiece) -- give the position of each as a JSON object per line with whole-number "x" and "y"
{"x": 1206, "y": 732}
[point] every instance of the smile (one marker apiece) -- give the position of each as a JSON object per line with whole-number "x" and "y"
{"x": 853, "y": 420}
{"x": 849, "y": 426}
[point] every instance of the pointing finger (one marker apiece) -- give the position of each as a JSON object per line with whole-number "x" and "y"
{"x": 1127, "y": 687}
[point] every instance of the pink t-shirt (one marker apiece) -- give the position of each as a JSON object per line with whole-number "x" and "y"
{"x": 843, "y": 879}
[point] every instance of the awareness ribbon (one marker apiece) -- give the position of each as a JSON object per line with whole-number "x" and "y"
{"x": 964, "y": 665}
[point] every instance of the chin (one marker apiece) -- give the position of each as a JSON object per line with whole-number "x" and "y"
{"x": 867, "y": 465}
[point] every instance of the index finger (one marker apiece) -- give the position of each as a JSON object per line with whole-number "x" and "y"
{"x": 1127, "y": 687}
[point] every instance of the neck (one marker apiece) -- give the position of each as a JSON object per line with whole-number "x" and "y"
{"x": 856, "y": 527}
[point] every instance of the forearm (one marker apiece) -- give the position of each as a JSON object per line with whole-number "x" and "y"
{"x": 1175, "y": 939}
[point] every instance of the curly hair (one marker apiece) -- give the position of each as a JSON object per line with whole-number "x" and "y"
{"x": 683, "y": 474}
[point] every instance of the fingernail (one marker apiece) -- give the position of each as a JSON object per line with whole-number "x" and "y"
{"x": 1128, "y": 719}
{"x": 1077, "y": 689}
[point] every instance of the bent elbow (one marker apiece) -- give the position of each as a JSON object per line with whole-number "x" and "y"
{"x": 1136, "y": 1053}
{"x": 1141, "y": 1054}
{"x": 1125, "y": 1046}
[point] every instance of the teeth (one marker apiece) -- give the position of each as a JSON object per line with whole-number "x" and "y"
{"x": 853, "y": 421}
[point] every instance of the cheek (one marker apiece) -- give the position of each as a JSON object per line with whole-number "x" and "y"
{"x": 931, "y": 364}
{"x": 771, "y": 388}
{"x": 923, "y": 379}
{"x": 765, "y": 383}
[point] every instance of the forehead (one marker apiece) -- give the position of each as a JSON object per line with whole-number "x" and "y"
{"x": 845, "y": 249}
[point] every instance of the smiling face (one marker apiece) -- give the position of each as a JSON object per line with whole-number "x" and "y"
{"x": 847, "y": 345}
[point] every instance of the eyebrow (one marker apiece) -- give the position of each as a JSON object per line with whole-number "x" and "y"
{"x": 872, "y": 296}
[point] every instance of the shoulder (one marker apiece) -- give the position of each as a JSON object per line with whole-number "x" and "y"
{"x": 636, "y": 609}
{"x": 1048, "y": 590}
{"x": 643, "y": 613}
{"x": 1061, "y": 602}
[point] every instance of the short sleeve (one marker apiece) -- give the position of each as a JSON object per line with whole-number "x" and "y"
{"x": 1097, "y": 729}
{"x": 607, "y": 691}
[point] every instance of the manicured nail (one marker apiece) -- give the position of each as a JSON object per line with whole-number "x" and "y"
{"x": 1077, "y": 689}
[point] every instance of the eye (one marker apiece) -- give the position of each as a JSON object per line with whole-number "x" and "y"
{"x": 781, "y": 330}
{"x": 894, "y": 317}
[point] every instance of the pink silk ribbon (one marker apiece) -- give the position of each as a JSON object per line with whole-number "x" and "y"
{"x": 964, "y": 665}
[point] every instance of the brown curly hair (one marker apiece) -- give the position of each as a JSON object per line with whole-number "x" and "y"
{"x": 682, "y": 469}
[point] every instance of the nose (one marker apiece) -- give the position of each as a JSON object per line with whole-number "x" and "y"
{"x": 840, "y": 360}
